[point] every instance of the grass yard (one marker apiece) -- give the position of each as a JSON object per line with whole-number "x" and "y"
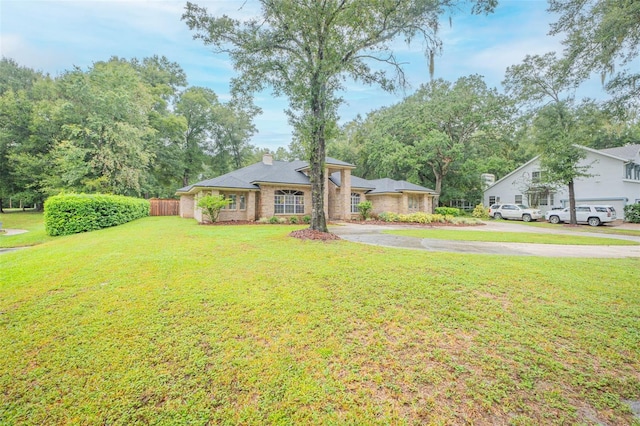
{"x": 603, "y": 229}
{"x": 508, "y": 237}
{"x": 31, "y": 221}
{"x": 163, "y": 321}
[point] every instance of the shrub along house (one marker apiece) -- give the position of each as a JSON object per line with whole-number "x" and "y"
{"x": 283, "y": 189}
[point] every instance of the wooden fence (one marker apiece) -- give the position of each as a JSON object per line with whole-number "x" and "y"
{"x": 164, "y": 207}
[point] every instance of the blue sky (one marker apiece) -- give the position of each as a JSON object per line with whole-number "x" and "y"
{"x": 54, "y": 35}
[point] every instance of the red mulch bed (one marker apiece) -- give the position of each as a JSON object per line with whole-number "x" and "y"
{"x": 310, "y": 234}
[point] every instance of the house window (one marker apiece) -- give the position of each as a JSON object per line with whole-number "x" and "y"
{"x": 536, "y": 177}
{"x": 232, "y": 203}
{"x": 632, "y": 171}
{"x": 414, "y": 202}
{"x": 493, "y": 200}
{"x": 518, "y": 199}
{"x": 243, "y": 202}
{"x": 355, "y": 200}
{"x": 543, "y": 200}
{"x": 288, "y": 202}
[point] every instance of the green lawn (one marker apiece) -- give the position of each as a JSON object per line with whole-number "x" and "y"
{"x": 508, "y": 237}
{"x": 163, "y": 321}
{"x": 603, "y": 229}
{"x": 28, "y": 221}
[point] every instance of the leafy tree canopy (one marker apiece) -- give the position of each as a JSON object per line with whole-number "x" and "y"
{"x": 306, "y": 50}
{"x": 602, "y": 36}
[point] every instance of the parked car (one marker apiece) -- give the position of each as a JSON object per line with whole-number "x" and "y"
{"x": 514, "y": 211}
{"x": 493, "y": 208}
{"x": 593, "y": 215}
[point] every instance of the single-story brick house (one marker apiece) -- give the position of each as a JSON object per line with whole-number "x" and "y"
{"x": 282, "y": 188}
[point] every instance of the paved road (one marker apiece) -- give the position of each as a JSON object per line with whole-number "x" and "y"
{"x": 372, "y": 234}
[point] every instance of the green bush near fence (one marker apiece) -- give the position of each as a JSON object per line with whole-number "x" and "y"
{"x": 67, "y": 214}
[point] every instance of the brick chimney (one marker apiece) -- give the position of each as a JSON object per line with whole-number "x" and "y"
{"x": 267, "y": 159}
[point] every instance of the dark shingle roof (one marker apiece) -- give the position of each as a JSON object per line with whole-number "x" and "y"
{"x": 288, "y": 172}
{"x": 247, "y": 177}
{"x": 226, "y": 181}
{"x": 356, "y": 182}
{"x": 387, "y": 185}
{"x": 381, "y": 186}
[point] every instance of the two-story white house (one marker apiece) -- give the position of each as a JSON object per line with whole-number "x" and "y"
{"x": 614, "y": 180}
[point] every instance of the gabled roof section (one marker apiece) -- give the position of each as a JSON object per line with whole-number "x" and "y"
{"x": 227, "y": 181}
{"x": 333, "y": 162}
{"x": 627, "y": 152}
{"x": 328, "y": 161}
{"x": 279, "y": 172}
{"x": 356, "y": 182}
{"x": 512, "y": 173}
{"x": 290, "y": 173}
{"x": 387, "y": 185}
{"x": 184, "y": 189}
{"x": 381, "y": 186}
{"x": 249, "y": 177}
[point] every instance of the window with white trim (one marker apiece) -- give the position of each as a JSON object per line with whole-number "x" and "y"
{"x": 232, "y": 201}
{"x": 288, "y": 202}
{"x": 243, "y": 202}
{"x": 355, "y": 200}
{"x": 518, "y": 199}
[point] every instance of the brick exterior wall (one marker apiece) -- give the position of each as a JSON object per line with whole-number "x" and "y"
{"x": 267, "y": 199}
{"x": 399, "y": 203}
{"x": 186, "y": 206}
{"x": 385, "y": 203}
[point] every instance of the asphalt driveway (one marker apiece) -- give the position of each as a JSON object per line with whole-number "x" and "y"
{"x": 372, "y": 234}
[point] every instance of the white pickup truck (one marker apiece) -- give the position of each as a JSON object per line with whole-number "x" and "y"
{"x": 593, "y": 215}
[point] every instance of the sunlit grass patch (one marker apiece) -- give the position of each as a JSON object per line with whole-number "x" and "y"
{"x": 509, "y": 237}
{"x": 164, "y": 321}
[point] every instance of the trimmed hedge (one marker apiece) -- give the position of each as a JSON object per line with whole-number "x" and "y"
{"x": 632, "y": 213}
{"x": 67, "y": 214}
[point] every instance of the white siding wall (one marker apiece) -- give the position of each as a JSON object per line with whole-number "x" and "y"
{"x": 606, "y": 185}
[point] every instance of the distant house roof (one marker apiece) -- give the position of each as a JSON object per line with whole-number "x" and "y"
{"x": 627, "y": 152}
{"x": 290, "y": 172}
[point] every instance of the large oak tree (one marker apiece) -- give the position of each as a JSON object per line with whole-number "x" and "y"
{"x": 306, "y": 50}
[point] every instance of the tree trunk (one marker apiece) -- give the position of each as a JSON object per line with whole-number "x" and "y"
{"x": 317, "y": 157}
{"x": 572, "y": 204}
{"x": 438, "y": 188}
{"x": 318, "y": 220}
